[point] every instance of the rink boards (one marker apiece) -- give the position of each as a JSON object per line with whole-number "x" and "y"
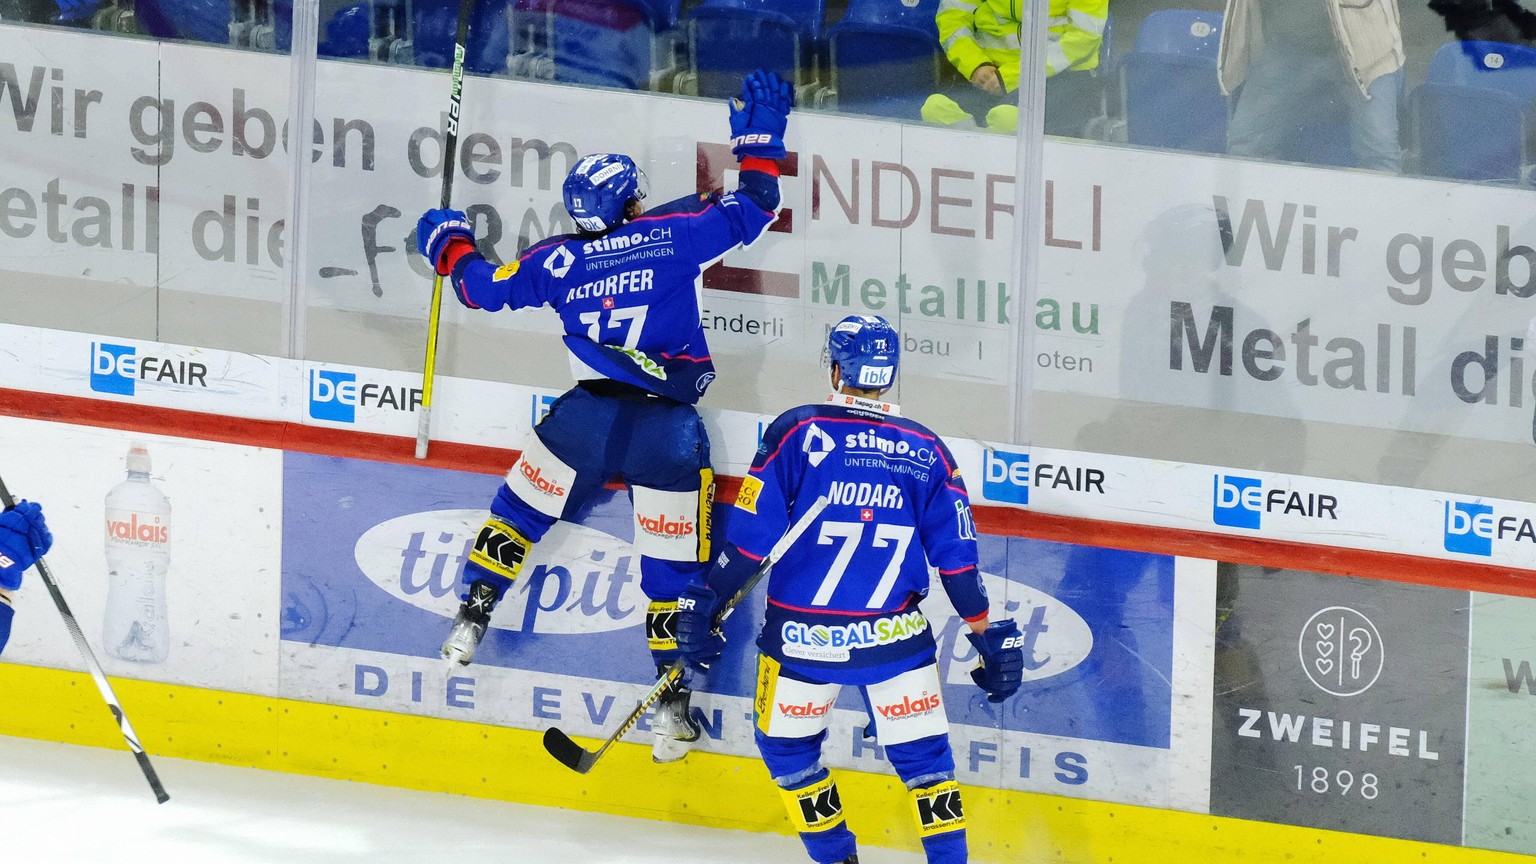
{"x": 310, "y": 587}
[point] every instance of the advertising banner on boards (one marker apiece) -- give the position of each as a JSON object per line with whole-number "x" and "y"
{"x": 1115, "y": 704}
{"x": 1340, "y": 703}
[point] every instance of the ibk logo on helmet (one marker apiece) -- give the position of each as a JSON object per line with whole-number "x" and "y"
{"x": 909, "y": 707}
{"x": 535, "y": 475}
{"x": 661, "y": 526}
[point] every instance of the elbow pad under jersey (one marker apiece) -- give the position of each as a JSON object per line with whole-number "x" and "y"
{"x": 966, "y": 593}
{"x": 759, "y": 182}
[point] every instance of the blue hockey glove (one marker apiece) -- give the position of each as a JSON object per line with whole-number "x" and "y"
{"x": 695, "y": 624}
{"x": 24, "y": 537}
{"x": 760, "y": 115}
{"x": 1001, "y": 647}
{"x": 436, "y": 231}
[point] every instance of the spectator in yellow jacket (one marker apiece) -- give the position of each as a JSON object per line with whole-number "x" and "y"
{"x": 981, "y": 39}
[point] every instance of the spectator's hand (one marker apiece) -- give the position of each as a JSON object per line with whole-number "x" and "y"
{"x": 24, "y": 537}
{"x": 988, "y": 78}
{"x": 436, "y": 231}
{"x": 1002, "y": 659}
{"x": 760, "y": 115}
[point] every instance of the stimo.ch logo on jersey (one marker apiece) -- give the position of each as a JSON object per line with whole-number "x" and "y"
{"x": 1341, "y": 651}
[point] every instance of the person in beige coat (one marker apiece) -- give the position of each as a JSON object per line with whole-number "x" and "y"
{"x": 1288, "y": 62}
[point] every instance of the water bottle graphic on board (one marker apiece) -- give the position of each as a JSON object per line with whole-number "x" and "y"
{"x": 138, "y": 556}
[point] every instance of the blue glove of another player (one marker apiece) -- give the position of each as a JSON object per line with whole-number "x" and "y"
{"x": 760, "y": 115}
{"x": 1002, "y": 659}
{"x": 436, "y": 230}
{"x": 24, "y": 536}
{"x": 696, "y": 640}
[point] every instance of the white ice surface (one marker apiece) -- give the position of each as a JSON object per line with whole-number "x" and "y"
{"x": 64, "y": 804}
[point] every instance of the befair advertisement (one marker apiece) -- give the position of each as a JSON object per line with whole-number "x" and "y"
{"x": 166, "y": 549}
{"x": 1115, "y": 705}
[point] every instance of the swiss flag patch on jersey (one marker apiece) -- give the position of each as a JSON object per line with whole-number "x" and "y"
{"x": 867, "y": 515}
{"x": 607, "y": 302}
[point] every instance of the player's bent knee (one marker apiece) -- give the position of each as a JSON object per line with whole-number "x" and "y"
{"x": 661, "y": 625}
{"x": 814, "y": 806}
{"x": 542, "y": 480}
{"x": 937, "y": 809}
{"x": 501, "y": 549}
{"x": 674, "y": 526}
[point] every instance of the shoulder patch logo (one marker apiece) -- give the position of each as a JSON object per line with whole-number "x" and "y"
{"x": 506, "y": 271}
{"x": 559, "y": 262}
{"x": 746, "y": 496}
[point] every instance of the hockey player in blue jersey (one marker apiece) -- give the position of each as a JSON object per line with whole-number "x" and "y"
{"x": 627, "y": 289}
{"x": 24, "y": 537}
{"x": 842, "y": 604}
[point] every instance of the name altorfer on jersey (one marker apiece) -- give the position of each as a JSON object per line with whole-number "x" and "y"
{"x": 630, "y": 281}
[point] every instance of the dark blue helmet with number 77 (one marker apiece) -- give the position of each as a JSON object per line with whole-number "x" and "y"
{"x": 598, "y": 190}
{"x": 867, "y": 350}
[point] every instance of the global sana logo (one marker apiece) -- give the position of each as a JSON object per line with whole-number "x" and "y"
{"x": 1341, "y": 651}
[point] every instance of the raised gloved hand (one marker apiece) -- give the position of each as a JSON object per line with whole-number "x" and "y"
{"x": 1002, "y": 659}
{"x": 24, "y": 537}
{"x": 436, "y": 232}
{"x": 760, "y": 115}
{"x": 696, "y": 639}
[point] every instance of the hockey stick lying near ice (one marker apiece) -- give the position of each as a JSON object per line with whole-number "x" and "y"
{"x": 94, "y": 667}
{"x": 575, "y": 757}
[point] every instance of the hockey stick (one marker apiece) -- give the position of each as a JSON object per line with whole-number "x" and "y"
{"x": 94, "y": 667}
{"x": 450, "y": 162}
{"x": 578, "y": 759}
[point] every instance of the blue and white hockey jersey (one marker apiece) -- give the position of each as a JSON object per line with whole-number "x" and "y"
{"x": 629, "y": 299}
{"x": 843, "y": 601}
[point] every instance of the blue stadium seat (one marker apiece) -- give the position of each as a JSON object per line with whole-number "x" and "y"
{"x": 1471, "y": 116}
{"x": 347, "y": 33}
{"x": 727, "y": 39}
{"x": 597, "y": 42}
{"x": 433, "y": 27}
{"x": 1168, "y": 83}
{"x": 193, "y": 20}
{"x": 885, "y": 57}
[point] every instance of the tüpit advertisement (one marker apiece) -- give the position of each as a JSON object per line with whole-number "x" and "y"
{"x": 372, "y": 559}
{"x": 1340, "y": 703}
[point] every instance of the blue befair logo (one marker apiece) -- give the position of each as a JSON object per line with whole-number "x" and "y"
{"x": 1471, "y": 528}
{"x": 336, "y": 396}
{"x": 113, "y": 368}
{"x": 1005, "y": 476}
{"x": 1238, "y": 501}
{"x": 1241, "y": 502}
{"x": 326, "y": 396}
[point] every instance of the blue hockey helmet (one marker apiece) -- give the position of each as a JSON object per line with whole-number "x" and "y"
{"x": 599, "y": 188}
{"x": 867, "y": 350}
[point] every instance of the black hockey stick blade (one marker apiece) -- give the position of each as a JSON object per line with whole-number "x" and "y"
{"x": 568, "y": 752}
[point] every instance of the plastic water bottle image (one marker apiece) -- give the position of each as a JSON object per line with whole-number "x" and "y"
{"x": 138, "y": 556}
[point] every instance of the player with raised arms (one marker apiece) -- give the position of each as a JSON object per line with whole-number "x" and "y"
{"x": 842, "y": 605}
{"x": 627, "y": 290}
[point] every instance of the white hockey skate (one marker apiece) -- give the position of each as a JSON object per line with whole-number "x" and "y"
{"x": 674, "y": 726}
{"x": 469, "y": 625}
